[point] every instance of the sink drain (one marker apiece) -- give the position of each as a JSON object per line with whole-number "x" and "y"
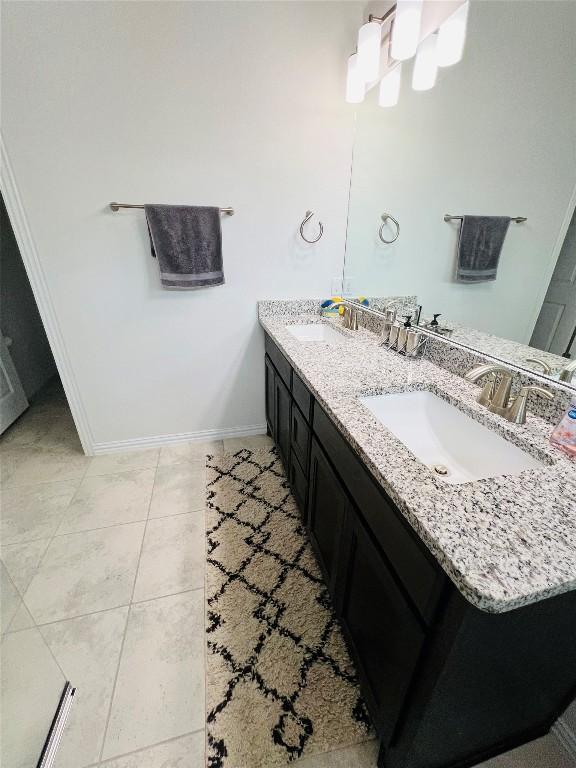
{"x": 441, "y": 469}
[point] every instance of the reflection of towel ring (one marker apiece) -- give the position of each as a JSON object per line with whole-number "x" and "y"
{"x": 309, "y": 215}
{"x": 385, "y": 217}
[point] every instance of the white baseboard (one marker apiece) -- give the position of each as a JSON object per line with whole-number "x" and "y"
{"x": 156, "y": 441}
{"x": 566, "y": 736}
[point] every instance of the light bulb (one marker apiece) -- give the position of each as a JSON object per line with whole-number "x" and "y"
{"x": 390, "y": 88}
{"x": 425, "y": 66}
{"x": 355, "y": 85}
{"x": 369, "y": 42}
{"x": 406, "y": 29}
{"x": 451, "y": 37}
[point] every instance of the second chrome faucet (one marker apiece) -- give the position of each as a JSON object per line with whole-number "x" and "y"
{"x": 495, "y": 394}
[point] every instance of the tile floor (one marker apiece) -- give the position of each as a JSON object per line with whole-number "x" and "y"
{"x": 102, "y": 579}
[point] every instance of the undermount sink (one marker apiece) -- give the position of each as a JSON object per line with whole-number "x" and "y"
{"x": 454, "y": 446}
{"x": 315, "y": 332}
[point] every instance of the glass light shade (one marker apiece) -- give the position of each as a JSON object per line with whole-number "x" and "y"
{"x": 451, "y": 37}
{"x": 425, "y": 66}
{"x": 406, "y": 29}
{"x": 355, "y": 85}
{"x": 390, "y": 88}
{"x": 369, "y": 41}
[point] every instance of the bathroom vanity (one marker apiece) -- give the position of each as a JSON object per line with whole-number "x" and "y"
{"x": 457, "y": 600}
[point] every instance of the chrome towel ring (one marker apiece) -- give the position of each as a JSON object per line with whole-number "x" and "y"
{"x": 385, "y": 217}
{"x": 307, "y": 218}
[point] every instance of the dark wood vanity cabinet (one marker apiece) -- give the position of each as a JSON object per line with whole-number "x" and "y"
{"x": 327, "y": 516}
{"x": 446, "y": 684}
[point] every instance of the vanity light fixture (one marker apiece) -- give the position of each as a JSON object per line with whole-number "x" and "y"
{"x": 436, "y": 36}
{"x": 406, "y": 29}
{"x": 389, "y": 90}
{"x": 355, "y": 84}
{"x": 452, "y": 36}
{"x": 425, "y": 65}
{"x": 369, "y": 42}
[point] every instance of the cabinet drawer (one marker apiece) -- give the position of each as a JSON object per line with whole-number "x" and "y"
{"x": 302, "y": 395}
{"x": 420, "y": 575}
{"x": 280, "y": 363}
{"x": 299, "y": 484}
{"x": 300, "y": 437}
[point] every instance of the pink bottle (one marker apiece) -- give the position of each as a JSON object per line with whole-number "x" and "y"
{"x": 564, "y": 435}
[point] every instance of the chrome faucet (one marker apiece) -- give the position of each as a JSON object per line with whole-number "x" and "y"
{"x": 516, "y": 411}
{"x": 496, "y": 396}
{"x": 568, "y": 371}
{"x": 350, "y": 316}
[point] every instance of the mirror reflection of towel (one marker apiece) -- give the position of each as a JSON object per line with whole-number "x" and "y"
{"x": 187, "y": 240}
{"x": 479, "y": 247}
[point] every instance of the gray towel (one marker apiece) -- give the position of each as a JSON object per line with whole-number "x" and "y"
{"x": 187, "y": 240}
{"x": 479, "y": 247}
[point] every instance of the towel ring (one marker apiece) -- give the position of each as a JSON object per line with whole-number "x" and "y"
{"x": 385, "y": 217}
{"x": 309, "y": 215}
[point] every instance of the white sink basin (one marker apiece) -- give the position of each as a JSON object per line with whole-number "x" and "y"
{"x": 315, "y": 332}
{"x": 440, "y": 435}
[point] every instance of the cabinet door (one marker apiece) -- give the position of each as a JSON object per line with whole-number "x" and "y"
{"x": 270, "y": 410}
{"x": 327, "y": 508}
{"x": 385, "y": 635}
{"x": 282, "y": 402}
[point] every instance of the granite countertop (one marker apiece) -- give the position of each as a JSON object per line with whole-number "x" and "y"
{"x": 504, "y": 542}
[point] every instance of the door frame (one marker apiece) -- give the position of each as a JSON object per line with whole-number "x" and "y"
{"x": 43, "y": 298}
{"x": 553, "y": 260}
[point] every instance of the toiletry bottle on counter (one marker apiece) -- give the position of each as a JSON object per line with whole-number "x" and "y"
{"x": 564, "y": 435}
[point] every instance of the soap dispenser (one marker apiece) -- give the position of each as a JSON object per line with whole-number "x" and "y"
{"x": 403, "y": 333}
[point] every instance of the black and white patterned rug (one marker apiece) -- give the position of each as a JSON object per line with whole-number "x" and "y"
{"x": 280, "y": 682}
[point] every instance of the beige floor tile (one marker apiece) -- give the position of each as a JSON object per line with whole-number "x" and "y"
{"x": 111, "y": 463}
{"x": 179, "y": 488}
{"x": 85, "y": 572}
{"x": 195, "y": 451}
{"x": 22, "y": 561}
{"x": 31, "y": 685}
{"x": 542, "y": 753}
{"x": 87, "y": 650}
{"x": 34, "y": 512}
{"x": 22, "y": 619}
{"x": 185, "y": 752}
{"x": 10, "y": 600}
{"x": 48, "y": 429}
{"x": 254, "y": 443}
{"x": 360, "y": 756}
{"x": 160, "y": 688}
{"x": 173, "y": 556}
{"x": 39, "y": 466}
{"x": 109, "y": 500}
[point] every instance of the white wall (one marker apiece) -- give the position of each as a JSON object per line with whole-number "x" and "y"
{"x": 19, "y": 317}
{"x": 496, "y": 135}
{"x": 214, "y": 103}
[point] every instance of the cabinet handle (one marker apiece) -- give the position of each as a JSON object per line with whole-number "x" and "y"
{"x": 295, "y": 428}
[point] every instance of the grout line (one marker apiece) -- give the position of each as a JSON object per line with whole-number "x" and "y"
{"x": 169, "y": 594}
{"x": 121, "y": 653}
{"x": 143, "y": 749}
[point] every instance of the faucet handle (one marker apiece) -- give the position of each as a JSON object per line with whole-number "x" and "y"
{"x": 545, "y": 367}
{"x": 516, "y": 412}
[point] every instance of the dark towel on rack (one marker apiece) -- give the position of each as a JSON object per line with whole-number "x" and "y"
{"x": 479, "y": 247}
{"x": 187, "y": 240}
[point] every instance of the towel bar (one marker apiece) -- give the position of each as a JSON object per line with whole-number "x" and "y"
{"x": 117, "y": 206}
{"x": 517, "y": 219}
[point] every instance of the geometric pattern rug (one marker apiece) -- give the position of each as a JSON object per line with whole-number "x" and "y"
{"x": 280, "y": 684}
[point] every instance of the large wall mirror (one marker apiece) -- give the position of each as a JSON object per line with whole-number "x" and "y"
{"x": 495, "y": 136}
